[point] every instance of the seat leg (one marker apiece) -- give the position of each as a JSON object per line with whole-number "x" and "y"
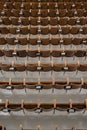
{"x": 23, "y": 111}
{"x": 4, "y": 57}
{"x": 1, "y": 72}
{"x": 14, "y": 73}
{"x": 76, "y": 72}
{"x": 27, "y": 58}
{"x": 25, "y": 90}
{"x": 84, "y": 111}
{"x": 80, "y": 90}
{"x": 26, "y": 73}
{"x": 74, "y": 57}
{"x": 16, "y": 58}
{"x": 54, "y": 111}
{"x": 66, "y": 90}
{"x": 52, "y": 90}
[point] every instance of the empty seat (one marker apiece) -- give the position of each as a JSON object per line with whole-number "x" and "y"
{"x": 34, "y": 21}
{"x": 4, "y": 30}
{"x": 60, "y": 84}
{"x": 4, "y": 85}
{"x": 33, "y": 53}
{"x": 79, "y": 5}
{"x": 54, "y": 30}
{"x": 15, "y": 21}
{"x": 31, "y": 85}
{"x": 46, "y": 85}
{"x": 34, "y": 13}
{"x": 9, "y": 53}
{"x": 71, "y": 13}
{"x": 52, "y": 13}
{"x": 43, "y": 21}
{"x": 33, "y": 41}
{"x": 5, "y": 20}
{"x": 34, "y": 5}
{"x": 24, "y": 30}
{"x": 1, "y": 53}
{"x": 22, "y": 53}
{"x": 70, "y": 5}
{"x": 24, "y": 21}
{"x": 45, "y": 53}
{"x": 53, "y": 21}
{"x": 44, "y": 31}
{"x": 14, "y": 107}
{"x": 55, "y": 41}
{"x": 31, "y": 67}
{"x": 25, "y": 13}
{"x": 66, "y": 41}
{"x": 22, "y": 41}
{"x": 16, "y": 13}
{"x": 17, "y": 85}
{"x": 75, "y": 30}
{"x": 17, "y": 5}
{"x": 61, "y": 5}
{"x": 62, "y": 13}
{"x": 33, "y": 30}
{"x": 27, "y": 6}
{"x": 84, "y": 30}
{"x": 56, "y": 53}
{"x": 8, "y": 5}
{"x": 83, "y": 21}
{"x": 19, "y": 67}
{"x": 85, "y": 5}
{"x": 44, "y": 6}
{"x": 70, "y": 67}
{"x": 65, "y": 30}
{"x": 72, "y": 21}
{"x": 30, "y": 107}
{"x": 44, "y": 41}
{"x": 84, "y": 86}
{"x": 11, "y": 41}
{"x": 77, "y": 41}
{"x": 58, "y": 67}
{"x": 82, "y": 67}
{"x": 6, "y": 67}
{"x": 75, "y": 84}
{"x": 81, "y": 12}
{"x": 14, "y": 30}
{"x": 6, "y": 12}
{"x": 44, "y": 13}
{"x": 52, "y": 5}
{"x": 69, "y": 53}
{"x": 63, "y": 21}
{"x": 80, "y": 53}
{"x": 2, "y": 41}
{"x": 45, "y": 67}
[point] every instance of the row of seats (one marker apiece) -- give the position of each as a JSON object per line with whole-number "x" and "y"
{"x": 43, "y": 21}
{"x": 44, "y": 31}
{"x": 43, "y": 41}
{"x": 43, "y": 53}
{"x": 66, "y": 67}
{"x": 39, "y": 128}
{"x": 38, "y": 107}
{"x": 39, "y": 85}
{"x": 44, "y": 13}
{"x": 43, "y": 1}
{"x": 44, "y": 5}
